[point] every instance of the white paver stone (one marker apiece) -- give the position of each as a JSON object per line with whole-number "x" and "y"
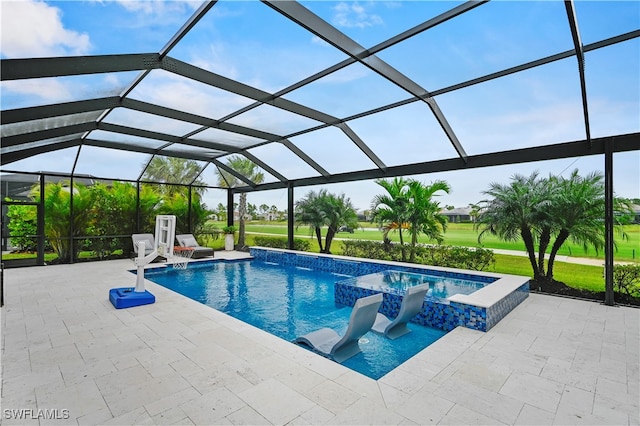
{"x": 276, "y": 402}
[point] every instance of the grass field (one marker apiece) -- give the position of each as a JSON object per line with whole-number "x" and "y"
{"x": 575, "y": 275}
{"x": 463, "y": 234}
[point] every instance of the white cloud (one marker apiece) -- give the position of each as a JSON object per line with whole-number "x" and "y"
{"x": 155, "y": 7}
{"x": 347, "y": 75}
{"x": 179, "y": 93}
{"x": 35, "y": 29}
{"x": 45, "y": 89}
{"x": 36, "y": 91}
{"x": 219, "y": 60}
{"x": 354, "y": 15}
{"x": 317, "y": 40}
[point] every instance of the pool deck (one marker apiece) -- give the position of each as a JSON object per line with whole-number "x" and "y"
{"x": 550, "y": 361}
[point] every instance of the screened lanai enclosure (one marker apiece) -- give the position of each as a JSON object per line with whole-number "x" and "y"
{"x": 309, "y": 94}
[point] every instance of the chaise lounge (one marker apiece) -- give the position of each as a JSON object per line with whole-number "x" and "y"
{"x": 327, "y": 342}
{"x": 149, "y": 245}
{"x": 411, "y": 305}
{"x": 188, "y": 240}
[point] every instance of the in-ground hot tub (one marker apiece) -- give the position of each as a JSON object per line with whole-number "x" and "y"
{"x": 440, "y": 286}
{"x": 491, "y": 297}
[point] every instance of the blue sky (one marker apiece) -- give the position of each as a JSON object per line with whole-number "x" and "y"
{"x": 253, "y": 44}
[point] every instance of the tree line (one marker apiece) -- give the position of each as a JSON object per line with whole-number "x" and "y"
{"x": 543, "y": 212}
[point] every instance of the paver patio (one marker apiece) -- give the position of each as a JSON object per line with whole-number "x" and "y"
{"x": 64, "y": 347}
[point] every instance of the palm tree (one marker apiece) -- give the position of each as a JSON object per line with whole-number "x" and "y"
{"x": 174, "y": 170}
{"x": 221, "y": 211}
{"x": 309, "y": 212}
{"x": 64, "y": 219}
{"x": 338, "y": 211}
{"x": 251, "y": 171}
{"x": 390, "y": 210}
{"x": 325, "y": 209}
{"x": 578, "y": 210}
{"x": 115, "y": 213}
{"x": 548, "y": 210}
{"x": 513, "y": 212}
{"x": 424, "y": 213}
{"x": 189, "y": 218}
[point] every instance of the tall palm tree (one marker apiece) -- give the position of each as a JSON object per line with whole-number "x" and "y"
{"x": 424, "y": 213}
{"x": 390, "y": 210}
{"x": 251, "y": 171}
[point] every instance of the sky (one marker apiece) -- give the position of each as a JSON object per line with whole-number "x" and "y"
{"x": 249, "y": 42}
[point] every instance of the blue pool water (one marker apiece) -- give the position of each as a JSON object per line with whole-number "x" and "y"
{"x": 288, "y": 302}
{"x": 440, "y": 287}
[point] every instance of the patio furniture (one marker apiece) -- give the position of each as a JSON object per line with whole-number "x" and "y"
{"x": 327, "y": 342}
{"x": 149, "y": 246}
{"x": 188, "y": 240}
{"x": 411, "y": 305}
{"x": 149, "y": 243}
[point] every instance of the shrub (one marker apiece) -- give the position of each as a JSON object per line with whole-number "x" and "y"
{"x": 626, "y": 279}
{"x": 191, "y": 217}
{"x": 231, "y": 229}
{"x": 282, "y": 243}
{"x": 476, "y": 259}
{"x": 22, "y": 226}
{"x": 114, "y": 214}
{"x": 57, "y": 216}
{"x": 208, "y": 234}
{"x": 372, "y": 250}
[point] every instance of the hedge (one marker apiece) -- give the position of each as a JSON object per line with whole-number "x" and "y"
{"x": 476, "y": 259}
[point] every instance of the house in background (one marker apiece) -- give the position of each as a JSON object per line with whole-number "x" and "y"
{"x": 458, "y": 214}
{"x": 636, "y": 213}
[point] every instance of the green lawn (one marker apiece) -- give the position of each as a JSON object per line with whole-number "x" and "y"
{"x": 463, "y": 234}
{"x": 574, "y": 275}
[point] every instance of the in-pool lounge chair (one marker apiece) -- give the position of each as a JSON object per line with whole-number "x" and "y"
{"x": 409, "y": 308}
{"x": 188, "y": 240}
{"x": 328, "y": 343}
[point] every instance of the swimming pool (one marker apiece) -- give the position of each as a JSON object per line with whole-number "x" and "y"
{"x": 479, "y": 310}
{"x": 288, "y": 301}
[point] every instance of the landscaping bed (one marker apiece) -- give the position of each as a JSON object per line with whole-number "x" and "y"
{"x": 557, "y": 288}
